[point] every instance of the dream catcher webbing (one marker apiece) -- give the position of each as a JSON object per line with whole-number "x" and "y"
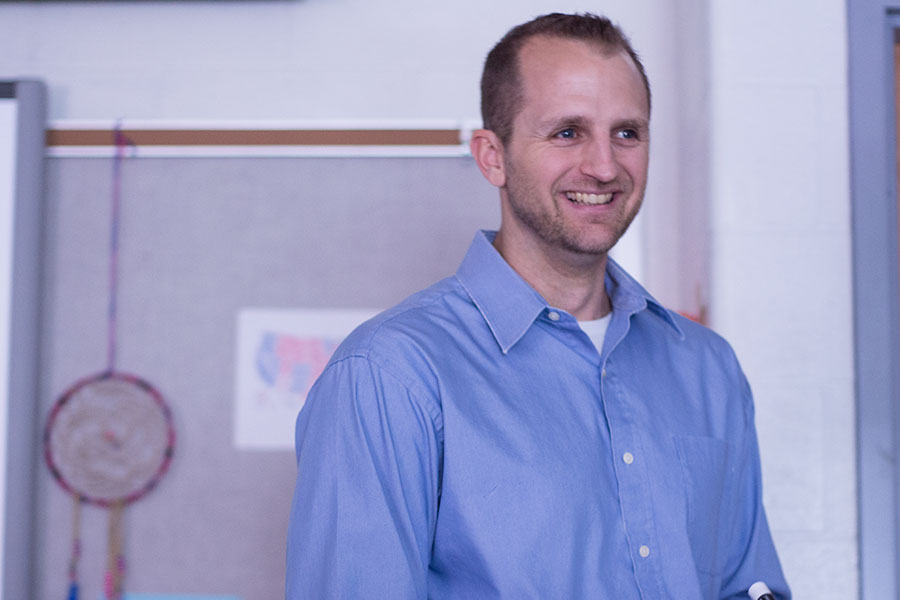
{"x": 109, "y": 437}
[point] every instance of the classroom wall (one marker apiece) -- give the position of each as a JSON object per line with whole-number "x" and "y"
{"x": 747, "y": 212}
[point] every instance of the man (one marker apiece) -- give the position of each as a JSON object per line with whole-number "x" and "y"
{"x": 536, "y": 426}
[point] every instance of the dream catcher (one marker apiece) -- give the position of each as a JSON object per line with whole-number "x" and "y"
{"x": 109, "y": 437}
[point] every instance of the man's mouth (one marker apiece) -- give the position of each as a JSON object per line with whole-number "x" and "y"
{"x": 589, "y": 199}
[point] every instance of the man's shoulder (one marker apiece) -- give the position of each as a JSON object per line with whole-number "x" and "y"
{"x": 708, "y": 351}
{"x": 697, "y": 332}
{"x": 694, "y": 339}
{"x": 417, "y": 321}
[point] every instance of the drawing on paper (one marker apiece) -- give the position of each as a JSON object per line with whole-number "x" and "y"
{"x": 280, "y": 353}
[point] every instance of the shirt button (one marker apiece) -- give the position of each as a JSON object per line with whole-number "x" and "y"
{"x": 644, "y": 551}
{"x": 553, "y": 315}
{"x": 628, "y": 457}
{"x": 603, "y": 373}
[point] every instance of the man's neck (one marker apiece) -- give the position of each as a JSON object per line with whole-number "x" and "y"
{"x": 574, "y": 282}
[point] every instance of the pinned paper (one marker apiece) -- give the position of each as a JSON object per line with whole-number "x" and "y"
{"x": 280, "y": 353}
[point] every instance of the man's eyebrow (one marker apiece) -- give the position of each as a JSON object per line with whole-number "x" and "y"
{"x": 640, "y": 124}
{"x": 560, "y": 122}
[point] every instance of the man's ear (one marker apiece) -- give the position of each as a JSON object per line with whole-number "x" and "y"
{"x": 487, "y": 150}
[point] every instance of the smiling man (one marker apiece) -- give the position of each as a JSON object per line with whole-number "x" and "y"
{"x": 536, "y": 426}
{"x": 572, "y": 170}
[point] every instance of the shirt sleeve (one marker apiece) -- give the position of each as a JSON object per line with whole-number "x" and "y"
{"x": 365, "y": 503}
{"x": 752, "y": 556}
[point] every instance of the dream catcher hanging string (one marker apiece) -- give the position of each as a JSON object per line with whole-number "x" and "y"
{"x": 109, "y": 437}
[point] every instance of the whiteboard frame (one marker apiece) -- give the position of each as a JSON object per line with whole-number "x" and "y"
{"x": 22, "y": 124}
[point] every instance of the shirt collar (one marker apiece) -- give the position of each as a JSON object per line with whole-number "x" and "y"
{"x": 509, "y": 305}
{"x": 629, "y": 296}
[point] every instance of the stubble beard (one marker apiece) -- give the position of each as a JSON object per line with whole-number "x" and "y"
{"x": 547, "y": 223}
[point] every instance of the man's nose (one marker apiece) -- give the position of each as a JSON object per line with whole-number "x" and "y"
{"x": 599, "y": 160}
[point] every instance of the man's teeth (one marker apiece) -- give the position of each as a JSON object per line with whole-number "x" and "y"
{"x": 590, "y": 199}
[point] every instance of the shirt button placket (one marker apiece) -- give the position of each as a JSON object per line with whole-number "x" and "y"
{"x": 635, "y": 508}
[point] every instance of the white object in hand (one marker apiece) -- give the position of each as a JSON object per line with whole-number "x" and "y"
{"x": 760, "y": 591}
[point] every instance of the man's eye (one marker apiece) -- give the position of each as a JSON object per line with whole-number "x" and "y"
{"x": 628, "y": 134}
{"x": 566, "y": 134}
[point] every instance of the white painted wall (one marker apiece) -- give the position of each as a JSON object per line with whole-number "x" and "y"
{"x": 307, "y": 59}
{"x": 781, "y": 267}
{"x": 749, "y": 117}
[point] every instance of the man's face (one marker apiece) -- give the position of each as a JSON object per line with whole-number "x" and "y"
{"x": 576, "y": 162}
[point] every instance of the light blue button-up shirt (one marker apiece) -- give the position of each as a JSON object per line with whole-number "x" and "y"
{"x": 469, "y": 443}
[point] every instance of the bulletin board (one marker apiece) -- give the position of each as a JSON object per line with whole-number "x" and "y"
{"x": 202, "y": 239}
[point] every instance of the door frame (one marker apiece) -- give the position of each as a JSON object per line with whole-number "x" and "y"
{"x": 876, "y": 289}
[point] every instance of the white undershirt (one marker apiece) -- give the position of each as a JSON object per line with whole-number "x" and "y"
{"x": 596, "y": 330}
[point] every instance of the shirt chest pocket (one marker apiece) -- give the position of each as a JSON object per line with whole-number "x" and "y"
{"x": 705, "y": 471}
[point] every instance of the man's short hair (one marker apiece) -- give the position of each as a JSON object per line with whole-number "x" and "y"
{"x": 501, "y": 88}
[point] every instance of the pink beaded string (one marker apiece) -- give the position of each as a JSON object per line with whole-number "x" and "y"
{"x": 122, "y": 144}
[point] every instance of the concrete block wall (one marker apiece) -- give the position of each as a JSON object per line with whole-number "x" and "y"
{"x": 781, "y": 268}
